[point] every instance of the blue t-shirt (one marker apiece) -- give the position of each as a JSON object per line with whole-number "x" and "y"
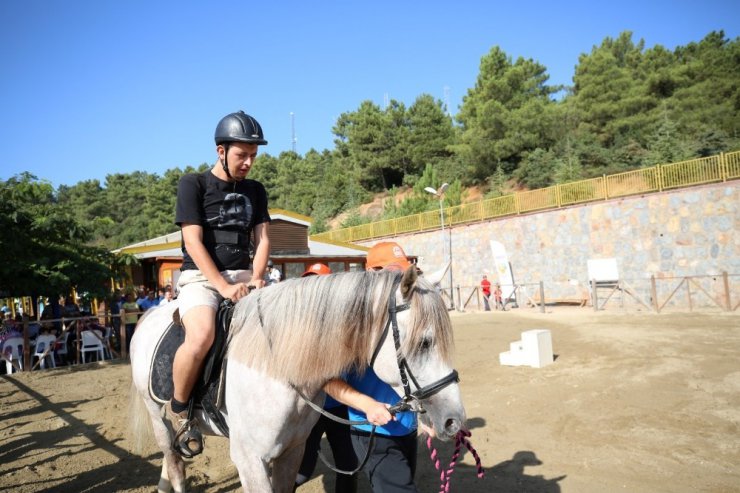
{"x": 147, "y": 304}
{"x": 371, "y": 385}
{"x": 330, "y": 402}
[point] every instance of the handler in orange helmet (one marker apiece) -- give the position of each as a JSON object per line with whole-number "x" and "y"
{"x": 337, "y": 434}
{"x": 391, "y": 463}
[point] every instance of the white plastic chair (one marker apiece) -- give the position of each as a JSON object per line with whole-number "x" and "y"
{"x": 106, "y": 343}
{"x": 92, "y": 343}
{"x": 13, "y": 351}
{"x": 62, "y": 348}
{"x": 43, "y": 342}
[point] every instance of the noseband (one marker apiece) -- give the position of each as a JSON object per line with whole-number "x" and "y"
{"x": 411, "y": 401}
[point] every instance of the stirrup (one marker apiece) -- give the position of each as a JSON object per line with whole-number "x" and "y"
{"x": 188, "y": 441}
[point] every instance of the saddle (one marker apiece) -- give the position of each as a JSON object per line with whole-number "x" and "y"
{"x": 209, "y": 389}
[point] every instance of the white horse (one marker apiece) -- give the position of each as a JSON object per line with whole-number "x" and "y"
{"x": 296, "y": 335}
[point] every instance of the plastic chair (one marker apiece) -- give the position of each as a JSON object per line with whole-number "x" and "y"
{"x": 61, "y": 349}
{"x": 92, "y": 343}
{"x": 13, "y": 351}
{"x": 106, "y": 343}
{"x": 43, "y": 342}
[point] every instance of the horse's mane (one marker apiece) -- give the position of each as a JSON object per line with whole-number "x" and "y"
{"x": 305, "y": 331}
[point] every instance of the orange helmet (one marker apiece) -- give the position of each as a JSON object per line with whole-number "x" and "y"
{"x": 387, "y": 255}
{"x": 317, "y": 269}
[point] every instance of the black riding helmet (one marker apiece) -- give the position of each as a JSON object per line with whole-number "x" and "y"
{"x": 238, "y": 127}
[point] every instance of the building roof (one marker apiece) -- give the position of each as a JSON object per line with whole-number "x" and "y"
{"x": 169, "y": 245}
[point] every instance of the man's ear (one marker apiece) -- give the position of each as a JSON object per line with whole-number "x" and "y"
{"x": 408, "y": 281}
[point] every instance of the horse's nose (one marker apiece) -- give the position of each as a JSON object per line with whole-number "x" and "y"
{"x": 452, "y": 426}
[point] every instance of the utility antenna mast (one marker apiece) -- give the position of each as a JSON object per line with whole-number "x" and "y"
{"x": 447, "y": 100}
{"x": 292, "y": 131}
{"x": 386, "y": 101}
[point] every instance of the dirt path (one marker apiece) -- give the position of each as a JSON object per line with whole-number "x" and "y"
{"x": 636, "y": 403}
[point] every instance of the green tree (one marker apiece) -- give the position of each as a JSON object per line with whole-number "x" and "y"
{"x": 506, "y": 115}
{"x": 496, "y": 183}
{"x": 45, "y": 248}
{"x": 430, "y": 138}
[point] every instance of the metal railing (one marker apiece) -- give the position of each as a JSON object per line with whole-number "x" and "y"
{"x": 713, "y": 169}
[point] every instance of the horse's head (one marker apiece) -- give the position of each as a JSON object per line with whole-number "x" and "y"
{"x": 414, "y": 355}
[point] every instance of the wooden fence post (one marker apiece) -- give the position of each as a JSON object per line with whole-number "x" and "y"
{"x": 542, "y": 297}
{"x": 726, "y": 282}
{"x": 594, "y": 296}
{"x": 654, "y": 294}
{"x": 688, "y": 293}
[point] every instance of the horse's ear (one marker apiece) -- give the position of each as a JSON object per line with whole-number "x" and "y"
{"x": 436, "y": 277}
{"x": 407, "y": 281}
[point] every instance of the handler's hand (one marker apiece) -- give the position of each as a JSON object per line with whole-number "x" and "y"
{"x": 377, "y": 413}
{"x": 234, "y": 292}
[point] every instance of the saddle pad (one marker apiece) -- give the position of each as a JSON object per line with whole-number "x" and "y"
{"x": 161, "y": 386}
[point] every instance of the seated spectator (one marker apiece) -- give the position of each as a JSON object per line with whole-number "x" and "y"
{"x": 71, "y": 309}
{"x": 149, "y": 302}
{"x": 9, "y": 329}
{"x": 167, "y": 297}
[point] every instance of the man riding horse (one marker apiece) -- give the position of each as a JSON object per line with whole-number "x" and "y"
{"x": 217, "y": 211}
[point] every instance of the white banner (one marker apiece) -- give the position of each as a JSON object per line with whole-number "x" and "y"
{"x": 503, "y": 269}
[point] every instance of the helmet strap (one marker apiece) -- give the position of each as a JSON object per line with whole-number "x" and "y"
{"x": 225, "y": 162}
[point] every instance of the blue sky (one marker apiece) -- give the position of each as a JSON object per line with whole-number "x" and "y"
{"x": 93, "y": 87}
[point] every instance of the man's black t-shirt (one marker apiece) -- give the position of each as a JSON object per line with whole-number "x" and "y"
{"x": 227, "y": 211}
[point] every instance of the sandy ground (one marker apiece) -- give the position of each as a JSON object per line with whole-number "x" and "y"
{"x": 633, "y": 403}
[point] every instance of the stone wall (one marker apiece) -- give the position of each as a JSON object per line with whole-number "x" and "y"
{"x": 688, "y": 232}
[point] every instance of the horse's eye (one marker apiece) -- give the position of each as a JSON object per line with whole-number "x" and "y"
{"x": 426, "y": 344}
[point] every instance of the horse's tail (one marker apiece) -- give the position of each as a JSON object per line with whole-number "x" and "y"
{"x": 140, "y": 422}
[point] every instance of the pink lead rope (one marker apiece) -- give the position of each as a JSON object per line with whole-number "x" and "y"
{"x": 446, "y": 474}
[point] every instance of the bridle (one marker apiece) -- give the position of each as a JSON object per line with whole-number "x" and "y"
{"x": 411, "y": 401}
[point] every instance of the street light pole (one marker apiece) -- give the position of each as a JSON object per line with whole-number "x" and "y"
{"x": 447, "y": 252}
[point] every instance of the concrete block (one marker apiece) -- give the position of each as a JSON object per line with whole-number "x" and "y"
{"x": 534, "y": 349}
{"x": 538, "y": 347}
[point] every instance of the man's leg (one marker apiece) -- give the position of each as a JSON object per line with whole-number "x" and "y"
{"x": 341, "y": 447}
{"x": 308, "y": 464}
{"x": 200, "y": 326}
{"x": 392, "y": 462}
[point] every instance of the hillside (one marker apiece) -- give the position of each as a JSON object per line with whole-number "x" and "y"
{"x": 374, "y": 208}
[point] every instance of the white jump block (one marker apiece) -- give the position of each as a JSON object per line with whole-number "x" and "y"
{"x": 535, "y": 350}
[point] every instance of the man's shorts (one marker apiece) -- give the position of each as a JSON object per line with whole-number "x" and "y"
{"x": 195, "y": 290}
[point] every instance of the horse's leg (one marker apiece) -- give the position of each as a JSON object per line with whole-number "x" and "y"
{"x": 285, "y": 469}
{"x": 173, "y": 467}
{"x": 254, "y": 473}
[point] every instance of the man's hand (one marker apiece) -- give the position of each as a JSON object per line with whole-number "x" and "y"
{"x": 257, "y": 283}
{"x": 234, "y": 292}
